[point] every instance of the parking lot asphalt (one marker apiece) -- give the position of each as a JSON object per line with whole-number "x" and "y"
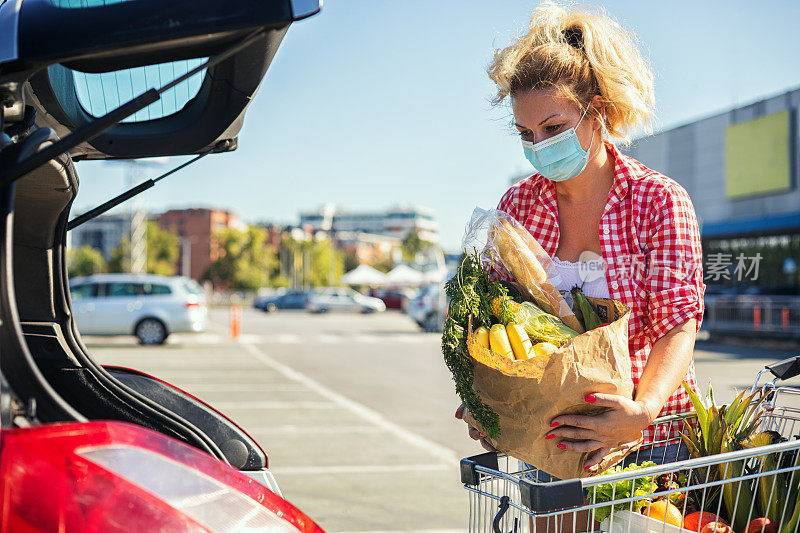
{"x": 354, "y": 411}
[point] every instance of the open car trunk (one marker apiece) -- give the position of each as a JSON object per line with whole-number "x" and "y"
{"x": 48, "y": 374}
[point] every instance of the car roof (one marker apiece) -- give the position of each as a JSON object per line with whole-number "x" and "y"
{"x": 144, "y": 278}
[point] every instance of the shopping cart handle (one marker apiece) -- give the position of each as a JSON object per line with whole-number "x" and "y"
{"x": 552, "y": 496}
{"x": 469, "y": 476}
{"x": 788, "y": 368}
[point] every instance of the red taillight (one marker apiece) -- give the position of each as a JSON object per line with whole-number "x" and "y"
{"x": 191, "y": 304}
{"x": 110, "y": 476}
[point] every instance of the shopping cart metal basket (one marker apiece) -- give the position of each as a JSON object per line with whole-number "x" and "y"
{"x": 505, "y": 498}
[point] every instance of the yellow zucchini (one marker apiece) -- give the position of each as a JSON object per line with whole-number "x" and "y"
{"x": 520, "y": 342}
{"x": 498, "y": 341}
{"x": 482, "y": 336}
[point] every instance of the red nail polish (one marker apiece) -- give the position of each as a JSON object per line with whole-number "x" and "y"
{"x": 591, "y": 398}
{"x": 554, "y": 424}
{"x": 550, "y": 437}
{"x": 588, "y": 468}
{"x": 562, "y": 446}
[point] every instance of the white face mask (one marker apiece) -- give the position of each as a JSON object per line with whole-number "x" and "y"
{"x": 560, "y": 157}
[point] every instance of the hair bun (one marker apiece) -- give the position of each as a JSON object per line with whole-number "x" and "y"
{"x": 574, "y": 37}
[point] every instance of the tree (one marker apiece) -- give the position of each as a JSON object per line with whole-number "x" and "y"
{"x": 413, "y": 244}
{"x": 84, "y": 261}
{"x": 245, "y": 261}
{"x": 313, "y": 263}
{"x": 162, "y": 250}
{"x": 120, "y": 257}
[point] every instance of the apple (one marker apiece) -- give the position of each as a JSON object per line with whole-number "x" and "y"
{"x": 762, "y": 525}
{"x": 697, "y": 521}
{"x": 716, "y": 527}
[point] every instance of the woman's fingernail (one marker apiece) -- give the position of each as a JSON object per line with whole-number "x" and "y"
{"x": 591, "y": 398}
{"x": 550, "y": 437}
{"x": 588, "y": 468}
{"x": 554, "y": 424}
{"x": 482, "y": 434}
{"x": 562, "y": 446}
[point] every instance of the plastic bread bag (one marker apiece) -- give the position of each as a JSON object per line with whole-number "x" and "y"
{"x": 513, "y": 250}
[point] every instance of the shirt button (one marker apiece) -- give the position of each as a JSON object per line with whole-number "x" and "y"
{"x": 614, "y": 285}
{"x": 606, "y": 231}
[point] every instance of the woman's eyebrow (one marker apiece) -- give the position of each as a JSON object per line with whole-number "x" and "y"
{"x": 548, "y": 118}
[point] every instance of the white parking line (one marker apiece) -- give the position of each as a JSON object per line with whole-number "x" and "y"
{"x": 448, "y": 456}
{"x": 247, "y": 387}
{"x": 358, "y": 469}
{"x": 283, "y": 338}
{"x": 314, "y": 430}
{"x": 224, "y": 406}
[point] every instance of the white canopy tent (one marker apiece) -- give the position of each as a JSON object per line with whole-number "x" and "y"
{"x": 364, "y": 275}
{"x": 404, "y": 276}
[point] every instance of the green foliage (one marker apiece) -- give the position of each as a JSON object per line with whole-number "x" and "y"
{"x": 245, "y": 261}
{"x": 316, "y": 263}
{"x": 120, "y": 257}
{"x": 84, "y": 261}
{"x": 608, "y": 492}
{"x": 162, "y": 250}
{"x": 471, "y": 292}
{"x": 413, "y": 244}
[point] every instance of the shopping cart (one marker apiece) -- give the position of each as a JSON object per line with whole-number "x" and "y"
{"x": 503, "y": 498}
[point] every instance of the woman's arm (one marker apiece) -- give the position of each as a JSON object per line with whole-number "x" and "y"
{"x": 625, "y": 419}
{"x": 666, "y": 367}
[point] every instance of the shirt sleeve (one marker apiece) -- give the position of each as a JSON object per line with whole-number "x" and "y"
{"x": 674, "y": 279}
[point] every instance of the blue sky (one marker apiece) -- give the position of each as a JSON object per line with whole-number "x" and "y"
{"x": 370, "y": 104}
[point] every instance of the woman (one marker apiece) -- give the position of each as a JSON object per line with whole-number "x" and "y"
{"x": 575, "y": 82}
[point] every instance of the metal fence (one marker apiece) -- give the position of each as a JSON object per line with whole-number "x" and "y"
{"x": 769, "y": 316}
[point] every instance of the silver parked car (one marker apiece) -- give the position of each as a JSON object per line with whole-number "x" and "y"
{"x": 146, "y": 305}
{"x": 343, "y": 299}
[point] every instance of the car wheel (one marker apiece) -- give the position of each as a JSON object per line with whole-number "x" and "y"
{"x": 151, "y": 331}
{"x": 271, "y": 308}
{"x": 367, "y": 310}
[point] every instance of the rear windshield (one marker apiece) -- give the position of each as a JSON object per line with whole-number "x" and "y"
{"x": 192, "y": 287}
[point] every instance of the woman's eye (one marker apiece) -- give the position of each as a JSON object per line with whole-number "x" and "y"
{"x": 553, "y": 128}
{"x": 526, "y": 135}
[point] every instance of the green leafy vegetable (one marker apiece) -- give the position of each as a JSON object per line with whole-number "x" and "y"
{"x": 623, "y": 489}
{"x": 471, "y": 292}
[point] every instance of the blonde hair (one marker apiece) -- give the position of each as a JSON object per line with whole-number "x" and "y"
{"x": 581, "y": 54}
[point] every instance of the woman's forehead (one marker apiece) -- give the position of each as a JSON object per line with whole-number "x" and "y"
{"x": 531, "y": 108}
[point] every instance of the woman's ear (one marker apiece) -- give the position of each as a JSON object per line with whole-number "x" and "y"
{"x": 599, "y": 111}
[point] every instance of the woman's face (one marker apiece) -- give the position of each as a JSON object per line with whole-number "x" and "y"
{"x": 542, "y": 113}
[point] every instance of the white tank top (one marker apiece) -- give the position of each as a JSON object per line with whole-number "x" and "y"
{"x": 569, "y": 275}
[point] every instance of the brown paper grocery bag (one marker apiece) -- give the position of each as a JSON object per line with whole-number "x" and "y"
{"x": 528, "y": 394}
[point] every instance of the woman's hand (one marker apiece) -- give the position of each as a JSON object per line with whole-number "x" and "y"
{"x": 622, "y": 422}
{"x": 474, "y": 433}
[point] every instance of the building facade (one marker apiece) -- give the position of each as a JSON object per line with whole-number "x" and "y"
{"x": 103, "y": 233}
{"x": 196, "y": 229}
{"x": 740, "y": 168}
{"x": 395, "y": 223}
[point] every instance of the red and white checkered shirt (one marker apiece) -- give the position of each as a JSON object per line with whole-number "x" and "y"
{"x": 651, "y": 245}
